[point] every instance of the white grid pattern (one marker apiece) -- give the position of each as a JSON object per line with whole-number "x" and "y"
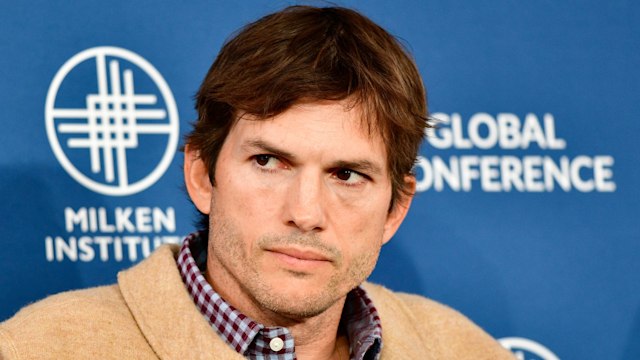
{"x": 113, "y": 121}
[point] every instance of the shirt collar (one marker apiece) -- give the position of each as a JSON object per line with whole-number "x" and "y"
{"x": 249, "y": 338}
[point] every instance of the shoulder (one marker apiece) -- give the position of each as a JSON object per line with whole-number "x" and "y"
{"x": 425, "y": 312}
{"x": 70, "y": 303}
{"x": 430, "y": 327}
{"x": 70, "y": 324}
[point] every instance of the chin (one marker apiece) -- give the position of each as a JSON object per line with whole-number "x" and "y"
{"x": 298, "y": 309}
{"x": 300, "y": 302}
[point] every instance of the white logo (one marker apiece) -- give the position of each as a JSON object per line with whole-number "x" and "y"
{"x": 108, "y": 126}
{"x": 525, "y": 348}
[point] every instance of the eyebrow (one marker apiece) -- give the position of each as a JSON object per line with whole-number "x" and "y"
{"x": 360, "y": 165}
{"x": 258, "y": 144}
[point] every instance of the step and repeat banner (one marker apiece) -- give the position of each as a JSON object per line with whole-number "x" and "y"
{"x": 527, "y": 212}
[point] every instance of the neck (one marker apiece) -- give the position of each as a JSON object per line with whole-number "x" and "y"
{"x": 320, "y": 337}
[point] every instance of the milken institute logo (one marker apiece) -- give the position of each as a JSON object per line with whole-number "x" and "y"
{"x": 112, "y": 120}
{"x": 525, "y": 349}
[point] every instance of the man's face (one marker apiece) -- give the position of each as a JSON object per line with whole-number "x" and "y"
{"x": 299, "y": 209}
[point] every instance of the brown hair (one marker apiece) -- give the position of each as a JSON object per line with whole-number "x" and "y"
{"x": 305, "y": 53}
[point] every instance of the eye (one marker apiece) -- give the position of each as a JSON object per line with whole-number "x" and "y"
{"x": 349, "y": 177}
{"x": 263, "y": 160}
{"x": 267, "y": 162}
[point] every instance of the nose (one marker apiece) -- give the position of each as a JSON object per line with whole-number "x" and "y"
{"x": 305, "y": 203}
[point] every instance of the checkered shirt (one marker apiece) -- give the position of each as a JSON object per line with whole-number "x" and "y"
{"x": 251, "y": 339}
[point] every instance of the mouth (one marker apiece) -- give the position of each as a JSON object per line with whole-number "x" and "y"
{"x": 299, "y": 259}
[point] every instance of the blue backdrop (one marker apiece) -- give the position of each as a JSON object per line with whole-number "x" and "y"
{"x": 527, "y": 216}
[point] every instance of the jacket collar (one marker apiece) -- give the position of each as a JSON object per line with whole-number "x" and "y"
{"x": 164, "y": 312}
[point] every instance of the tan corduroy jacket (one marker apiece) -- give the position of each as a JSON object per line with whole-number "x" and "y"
{"x": 149, "y": 315}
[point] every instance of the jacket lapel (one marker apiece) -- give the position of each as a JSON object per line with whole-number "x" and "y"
{"x": 166, "y": 314}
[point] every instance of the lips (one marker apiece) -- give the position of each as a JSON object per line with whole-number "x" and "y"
{"x": 300, "y": 261}
{"x": 300, "y": 254}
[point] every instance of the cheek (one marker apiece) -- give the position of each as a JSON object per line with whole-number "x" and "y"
{"x": 361, "y": 256}
{"x": 362, "y": 266}
{"x": 365, "y": 210}
{"x": 363, "y": 228}
{"x": 252, "y": 205}
{"x": 365, "y": 215}
{"x": 240, "y": 204}
{"x": 363, "y": 233}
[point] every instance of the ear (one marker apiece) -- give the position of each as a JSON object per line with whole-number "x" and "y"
{"x": 400, "y": 208}
{"x": 196, "y": 179}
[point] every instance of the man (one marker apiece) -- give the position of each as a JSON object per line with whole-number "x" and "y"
{"x": 300, "y": 162}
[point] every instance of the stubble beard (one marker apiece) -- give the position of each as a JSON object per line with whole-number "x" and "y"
{"x": 225, "y": 242}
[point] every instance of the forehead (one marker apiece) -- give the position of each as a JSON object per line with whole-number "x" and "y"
{"x": 328, "y": 128}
